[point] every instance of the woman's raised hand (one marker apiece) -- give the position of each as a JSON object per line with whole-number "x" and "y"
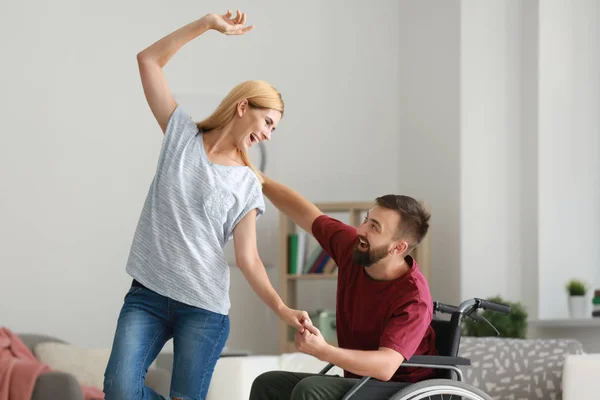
{"x": 229, "y": 25}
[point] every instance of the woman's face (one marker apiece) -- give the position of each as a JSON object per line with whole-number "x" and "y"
{"x": 255, "y": 125}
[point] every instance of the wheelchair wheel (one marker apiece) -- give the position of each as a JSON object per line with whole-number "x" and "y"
{"x": 436, "y": 389}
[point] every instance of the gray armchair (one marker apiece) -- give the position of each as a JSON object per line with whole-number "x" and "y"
{"x": 60, "y": 385}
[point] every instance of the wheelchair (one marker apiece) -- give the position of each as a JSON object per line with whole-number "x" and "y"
{"x": 448, "y": 333}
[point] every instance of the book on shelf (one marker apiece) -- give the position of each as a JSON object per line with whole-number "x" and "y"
{"x": 306, "y": 256}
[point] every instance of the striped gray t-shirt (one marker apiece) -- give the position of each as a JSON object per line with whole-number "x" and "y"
{"x": 188, "y": 217}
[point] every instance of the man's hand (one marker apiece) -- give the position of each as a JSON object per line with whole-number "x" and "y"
{"x": 380, "y": 364}
{"x": 311, "y": 341}
{"x": 295, "y": 318}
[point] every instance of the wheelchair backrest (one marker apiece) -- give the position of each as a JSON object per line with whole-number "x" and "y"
{"x": 447, "y": 336}
{"x": 447, "y": 340}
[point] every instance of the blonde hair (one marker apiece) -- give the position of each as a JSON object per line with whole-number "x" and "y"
{"x": 259, "y": 94}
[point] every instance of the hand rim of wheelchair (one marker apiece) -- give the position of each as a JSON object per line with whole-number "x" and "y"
{"x": 440, "y": 387}
{"x": 431, "y": 387}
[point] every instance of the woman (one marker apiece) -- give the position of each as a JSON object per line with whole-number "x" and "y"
{"x": 204, "y": 193}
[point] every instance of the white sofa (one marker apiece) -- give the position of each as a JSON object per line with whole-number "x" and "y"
{"x": 233, "y": 376}
{"x": 539, "y": 368}
{"x": 580, "y": 377}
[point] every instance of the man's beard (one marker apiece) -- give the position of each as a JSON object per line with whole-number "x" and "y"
{"x": 366, "y": 258}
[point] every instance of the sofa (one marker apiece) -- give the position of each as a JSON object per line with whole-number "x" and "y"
{"x": 504, "y": 368}
{"x": 72, "y": 366}
{"x": 517, "y": 369}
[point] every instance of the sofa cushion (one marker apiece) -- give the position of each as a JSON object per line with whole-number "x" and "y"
{"x": 233, "y": 376}
{"x": 516, "y": 368}
{"x": 87, "y": 365}
{"x": 580, "y": 376}
{"x": 31, "y": 340}
{"x": 300, "y": 362}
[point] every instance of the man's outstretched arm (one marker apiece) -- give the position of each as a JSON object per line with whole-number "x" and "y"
{"x": 291, "y": 203}
{"x": 380, "y": 364}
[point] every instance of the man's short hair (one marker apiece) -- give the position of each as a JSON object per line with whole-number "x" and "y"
{"x": 414, "y": 217}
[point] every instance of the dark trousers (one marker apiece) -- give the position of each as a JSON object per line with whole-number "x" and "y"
{"x": 283, "y": 385}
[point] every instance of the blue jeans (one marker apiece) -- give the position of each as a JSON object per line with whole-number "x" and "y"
{"x": 146, "y": 322}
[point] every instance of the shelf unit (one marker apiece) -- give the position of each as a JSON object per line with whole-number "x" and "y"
{"x": 288, "y": 283}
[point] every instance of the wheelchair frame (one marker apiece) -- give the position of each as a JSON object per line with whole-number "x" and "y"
{"x": 448, "y": 361}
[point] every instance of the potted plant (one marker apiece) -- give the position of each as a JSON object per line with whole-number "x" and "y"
{"x": 512, "y": 325}
{"x": 577, "y": 305}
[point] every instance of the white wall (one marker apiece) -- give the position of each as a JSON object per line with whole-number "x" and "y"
{"x": 80, "y": 145}
{"x": 569, "y": 149}
{"x": 429, "y": 156}
{"x": 490, "y": 141}
{"x": 530, "y": 176}
{"x": 501, "y": 97}
{"x": 527, "y": 236}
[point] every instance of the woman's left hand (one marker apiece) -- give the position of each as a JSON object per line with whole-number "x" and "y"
{"x": 228, "y": 24}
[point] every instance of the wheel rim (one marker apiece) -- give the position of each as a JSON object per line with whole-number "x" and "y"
{"x": 440, "y": 390}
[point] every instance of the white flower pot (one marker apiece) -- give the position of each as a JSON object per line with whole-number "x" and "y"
{"x": 577, "y": 306}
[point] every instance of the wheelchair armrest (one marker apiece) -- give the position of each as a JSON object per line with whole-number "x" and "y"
{"x": 326, "y": 369}
{"x": 355, "y": 388}
{"x": 433, "y": 361}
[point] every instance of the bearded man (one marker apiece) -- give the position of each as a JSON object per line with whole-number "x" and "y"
{"x": 383, "y": 307}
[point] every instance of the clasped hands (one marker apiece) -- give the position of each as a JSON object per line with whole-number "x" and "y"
{"x": 308, "y": 339}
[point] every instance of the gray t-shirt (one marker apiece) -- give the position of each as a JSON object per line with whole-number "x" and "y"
{"x": 188, "y": 217}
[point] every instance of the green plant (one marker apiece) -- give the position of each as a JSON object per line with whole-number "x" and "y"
{"x": 512, "y": 325}
{"x": 576, "y": 288}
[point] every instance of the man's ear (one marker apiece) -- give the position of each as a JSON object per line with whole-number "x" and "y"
{"x": 400, "y": 247}
{"x": 242, "y": 106}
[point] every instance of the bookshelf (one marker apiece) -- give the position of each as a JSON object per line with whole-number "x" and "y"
{"x": 288, "y": 283}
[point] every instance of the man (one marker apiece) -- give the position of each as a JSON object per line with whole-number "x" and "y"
{"x": 384, "y": 307}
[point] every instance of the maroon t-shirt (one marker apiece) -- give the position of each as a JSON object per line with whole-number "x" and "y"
{"x": 371, "y": 314}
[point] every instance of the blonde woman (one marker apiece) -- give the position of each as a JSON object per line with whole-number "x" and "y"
{"x": 204, "y": 193}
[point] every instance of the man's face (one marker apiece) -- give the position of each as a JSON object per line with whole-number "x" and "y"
{"x": 377, "y": 236}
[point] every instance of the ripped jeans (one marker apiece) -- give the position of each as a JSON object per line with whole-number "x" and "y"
{"x": 146, "y": 322}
